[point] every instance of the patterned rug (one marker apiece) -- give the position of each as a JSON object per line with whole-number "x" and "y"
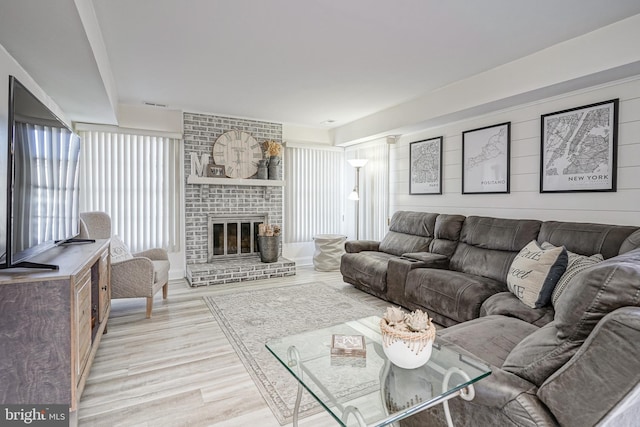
{"x": 250, "y": 318}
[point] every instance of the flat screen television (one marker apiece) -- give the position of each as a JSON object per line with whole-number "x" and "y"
{"x": 42, "y": 181}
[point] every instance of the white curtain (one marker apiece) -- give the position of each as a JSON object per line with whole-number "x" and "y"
{"x": 314, "y": 192}
{"x": 374, "y": 188}
{"x": 135, "y": 179}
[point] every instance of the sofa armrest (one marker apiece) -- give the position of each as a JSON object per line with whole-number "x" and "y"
{"x": 429, "y": 259}
{"x": 156, "y": 254}
{"x": 608, "y": 358}
{"x": 355, "y": 246}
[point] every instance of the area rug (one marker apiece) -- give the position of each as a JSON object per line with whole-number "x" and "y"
{"x": 250, "y": 318}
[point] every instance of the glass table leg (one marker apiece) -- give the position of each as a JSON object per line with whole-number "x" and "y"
{"x": 294, "y": 360}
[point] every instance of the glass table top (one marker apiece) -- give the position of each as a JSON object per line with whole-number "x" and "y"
{"x": 380, "y": 391}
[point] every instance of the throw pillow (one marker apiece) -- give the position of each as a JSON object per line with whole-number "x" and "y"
{"x": 119, "y": 251}
{"x": 575, "y": 265}
{"x": 534, "y": 273}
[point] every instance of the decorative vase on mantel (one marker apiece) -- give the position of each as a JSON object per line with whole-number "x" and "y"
{"x": 263, "y": 172}
{"x": 275, "y": 167}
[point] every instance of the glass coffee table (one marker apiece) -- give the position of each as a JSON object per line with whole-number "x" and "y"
{"x": 369, "y": 390}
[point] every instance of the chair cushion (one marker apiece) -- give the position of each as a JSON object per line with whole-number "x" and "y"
{"x": 119, "y": 251}
{"x": 534, "y": 273}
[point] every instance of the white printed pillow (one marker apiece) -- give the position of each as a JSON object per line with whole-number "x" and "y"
{"x": 534, "y": 273}
{"x": 575, "y": 265}
{"x": 119, "y": 251}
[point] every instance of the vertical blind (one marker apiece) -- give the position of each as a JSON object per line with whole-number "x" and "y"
{"x": 314, "y": 193}
{"x": 374, "y": 188}
{"x": 135, "y": 179}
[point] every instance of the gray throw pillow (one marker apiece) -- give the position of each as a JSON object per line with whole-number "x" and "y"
{"x": 575, "y": 265}
{"x": 534, "y": 273}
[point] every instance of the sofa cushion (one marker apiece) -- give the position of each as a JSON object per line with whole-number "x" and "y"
{"x": 575, "y": 264}
{"x": 368, "y": 269}
{"x": 446, "y": 234}
{"x": 609, "y": 357}
{"x": 399, "y": 243}
{"x": 119, "y": 250}
{"x": 596, "y": 291}
{"x": 490, "y": 338}
{"x": 455, "y": 296}
{"x": 586, "y": 238}
{"x": 488, "y": 246}
{"x": 590, "y": 295}
{"x": 534, "y": 273}
{"x": 507, "y": 304}
{"x": 630, "y": 243}
{"x": 409, "y": 232}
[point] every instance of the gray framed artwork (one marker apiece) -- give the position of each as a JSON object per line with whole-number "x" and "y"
{"x": 425, "y": 166}
{"x": 486, "y": 154}
{"x": 579, "y": 149}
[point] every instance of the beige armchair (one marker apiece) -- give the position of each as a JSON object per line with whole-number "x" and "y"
{"x": 137, "y": 275}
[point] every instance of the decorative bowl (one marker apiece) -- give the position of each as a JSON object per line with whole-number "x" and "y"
{"x": 407, "y": 349}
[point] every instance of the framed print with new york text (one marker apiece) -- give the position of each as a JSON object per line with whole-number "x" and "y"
{"x": 579, "y": 149}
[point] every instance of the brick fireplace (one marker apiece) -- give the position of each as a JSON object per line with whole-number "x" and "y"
{"x": 236, "y": 207}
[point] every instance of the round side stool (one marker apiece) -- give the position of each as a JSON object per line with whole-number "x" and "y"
{"x": 329, "y": 250}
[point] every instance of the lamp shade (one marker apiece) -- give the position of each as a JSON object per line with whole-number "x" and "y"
{"x": 354, "y": 195}
{"x": 358, "y": 163}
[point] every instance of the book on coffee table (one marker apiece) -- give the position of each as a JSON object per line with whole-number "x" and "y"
{"x": 348, "y": 345}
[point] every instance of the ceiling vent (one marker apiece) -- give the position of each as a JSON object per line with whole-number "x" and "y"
{"x": 155, "y": 104}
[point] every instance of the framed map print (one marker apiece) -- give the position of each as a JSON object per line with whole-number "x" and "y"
{"x": 579, "y": 149}
{"x": 425, "y": 166}
{"x": 486, "y": 159}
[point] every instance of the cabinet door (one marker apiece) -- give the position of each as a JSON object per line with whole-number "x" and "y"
{"x": 83, "y": 320}
{"x": 105, "y": 285}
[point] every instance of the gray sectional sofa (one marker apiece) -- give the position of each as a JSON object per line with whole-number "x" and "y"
{"x": 574, "y": 362}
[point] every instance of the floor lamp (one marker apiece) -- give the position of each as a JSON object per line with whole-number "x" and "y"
{"x": 355, "y": 194}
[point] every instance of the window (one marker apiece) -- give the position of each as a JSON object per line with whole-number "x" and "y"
{"x": 374, "y": 188}
{"x": 136, "y": 180}
{"x": 314, "y": 192}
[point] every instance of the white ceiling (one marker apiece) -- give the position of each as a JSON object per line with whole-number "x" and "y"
{"x": 290, "y": 61}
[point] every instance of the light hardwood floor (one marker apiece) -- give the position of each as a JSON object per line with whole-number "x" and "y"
{"x": 178, "y": 368}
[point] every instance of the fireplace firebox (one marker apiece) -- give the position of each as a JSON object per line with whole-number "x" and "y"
{"x": 231, "y": 237}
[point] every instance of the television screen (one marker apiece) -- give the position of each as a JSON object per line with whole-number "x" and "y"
{"x": 43, "y": 181}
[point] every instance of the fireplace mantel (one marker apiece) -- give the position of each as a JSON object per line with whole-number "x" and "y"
{"x": 194, "y": 179}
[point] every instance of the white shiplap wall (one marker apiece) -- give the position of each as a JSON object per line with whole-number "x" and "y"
{"x": 525, "y": 201}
